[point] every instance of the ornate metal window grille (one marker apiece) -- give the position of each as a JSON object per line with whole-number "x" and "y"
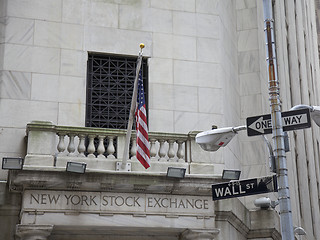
{"x": 109, "y": 89}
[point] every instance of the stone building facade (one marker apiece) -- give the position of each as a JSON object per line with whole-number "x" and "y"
{"x": 205, "y": 65}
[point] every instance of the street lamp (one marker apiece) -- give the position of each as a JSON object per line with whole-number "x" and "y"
{"x": 213, "y": 139}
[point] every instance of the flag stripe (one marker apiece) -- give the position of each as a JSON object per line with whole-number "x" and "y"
{"x": 143, "y": 110}
{"x": 143, "y": 150}
{"x": 143, "y": 146}
{"x": 143, "y": 116}
{"x": 146, "y": 164}
{"x": 142, "y": 120}
{"x": 142, "y": 132}
{"x": 143, "y": 141}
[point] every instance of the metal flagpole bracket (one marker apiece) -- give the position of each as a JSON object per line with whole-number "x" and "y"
{"x": 126, "y": 169}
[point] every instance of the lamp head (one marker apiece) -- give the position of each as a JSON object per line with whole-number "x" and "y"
{"x": 212, "y": 140}
{"x": 299, "y": 231}
{"x": 315, "y": 114}
{"x": 263, "y": 202}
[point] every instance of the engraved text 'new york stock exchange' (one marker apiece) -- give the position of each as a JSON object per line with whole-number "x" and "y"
{"x": 122, "y": 202}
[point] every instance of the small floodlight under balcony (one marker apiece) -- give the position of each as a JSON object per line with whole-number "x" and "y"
{"x": 176, "y": 172}
{"x": 12, "y": 163}
{"x": 231, "y": 174}
{"x": 76, "y": 167}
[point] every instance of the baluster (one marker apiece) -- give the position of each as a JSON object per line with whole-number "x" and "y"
{"x": 180, "y": 152}
{"x": 61, "y": 146}
{"x": 101, "y": 149}
{"x": 171, "y": 153}
{"x": 71, "y": 147}
{"x": 81, "y": 147}
{"x": 110, "y": 148}
{"x": 153, "y": 149}
{"x": 162, "y": 151}
{"x": 133, "y": 150}
{"x": 91, "y": 147}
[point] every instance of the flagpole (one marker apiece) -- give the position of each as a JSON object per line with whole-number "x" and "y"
{"x": 132, "y": 110}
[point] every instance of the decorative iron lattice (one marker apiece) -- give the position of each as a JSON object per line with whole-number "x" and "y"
{"x": 109, "y": 89}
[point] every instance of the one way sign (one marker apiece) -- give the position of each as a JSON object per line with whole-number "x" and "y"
{"x": 291, "y": 120}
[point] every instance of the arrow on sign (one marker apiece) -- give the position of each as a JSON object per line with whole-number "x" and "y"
{"x": 261, "y": 125}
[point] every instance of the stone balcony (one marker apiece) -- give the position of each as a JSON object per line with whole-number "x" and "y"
{"x": 50, "y": 147}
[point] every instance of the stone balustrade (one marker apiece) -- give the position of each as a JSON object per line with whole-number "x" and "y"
{"x": 53, "y": 146}
{"x": 88, "y": 142}
{"x": 102, "y": 143}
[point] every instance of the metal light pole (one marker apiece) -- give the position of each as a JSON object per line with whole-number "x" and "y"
{"x": 277, "y": 131}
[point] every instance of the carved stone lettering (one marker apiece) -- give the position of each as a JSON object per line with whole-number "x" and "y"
{"x": 104, "y": 202}
{"x": 154, "y": 202}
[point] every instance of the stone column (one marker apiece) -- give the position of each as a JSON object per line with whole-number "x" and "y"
{"x": 33, "y": 232}
{"x": 199, "y": 234}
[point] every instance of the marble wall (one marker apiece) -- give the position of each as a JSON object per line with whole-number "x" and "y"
{"x": 204, "y": 66}
{"x": 193, "y": 61}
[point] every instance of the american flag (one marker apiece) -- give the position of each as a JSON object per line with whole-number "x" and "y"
{"x": 143, "y": 145}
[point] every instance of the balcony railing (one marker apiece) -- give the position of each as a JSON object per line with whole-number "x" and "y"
{"x": 51, "y": 147}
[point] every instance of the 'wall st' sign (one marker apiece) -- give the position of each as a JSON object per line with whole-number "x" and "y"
{"x": 291, "y": 120}
{"x": 244, "y": 187}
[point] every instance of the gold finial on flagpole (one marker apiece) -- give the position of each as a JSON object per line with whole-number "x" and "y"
{"x": 141, "y": 45}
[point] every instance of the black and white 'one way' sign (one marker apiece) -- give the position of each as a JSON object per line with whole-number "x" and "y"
{"x": 291, "y": 120}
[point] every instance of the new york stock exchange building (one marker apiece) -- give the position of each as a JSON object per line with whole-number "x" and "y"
{"x": 69, "y": 169}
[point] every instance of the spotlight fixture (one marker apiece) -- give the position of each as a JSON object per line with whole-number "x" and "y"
{"x": 299, "y": 231}
{"x": 11, "y": 163}
{"x": 176, "y": 172}
{"x": 76, "y": 167}
{"x": 231, "y": 174}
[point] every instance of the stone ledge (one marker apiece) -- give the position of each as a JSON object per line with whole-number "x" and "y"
{"x": 96, "y": 164}
{"x": 109, "y": 164}
{"x": 56, "y": 178}
{"x": 264, "y": 223}
{"x": 206, "y": 168}
{"x": 38, "y": 160}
